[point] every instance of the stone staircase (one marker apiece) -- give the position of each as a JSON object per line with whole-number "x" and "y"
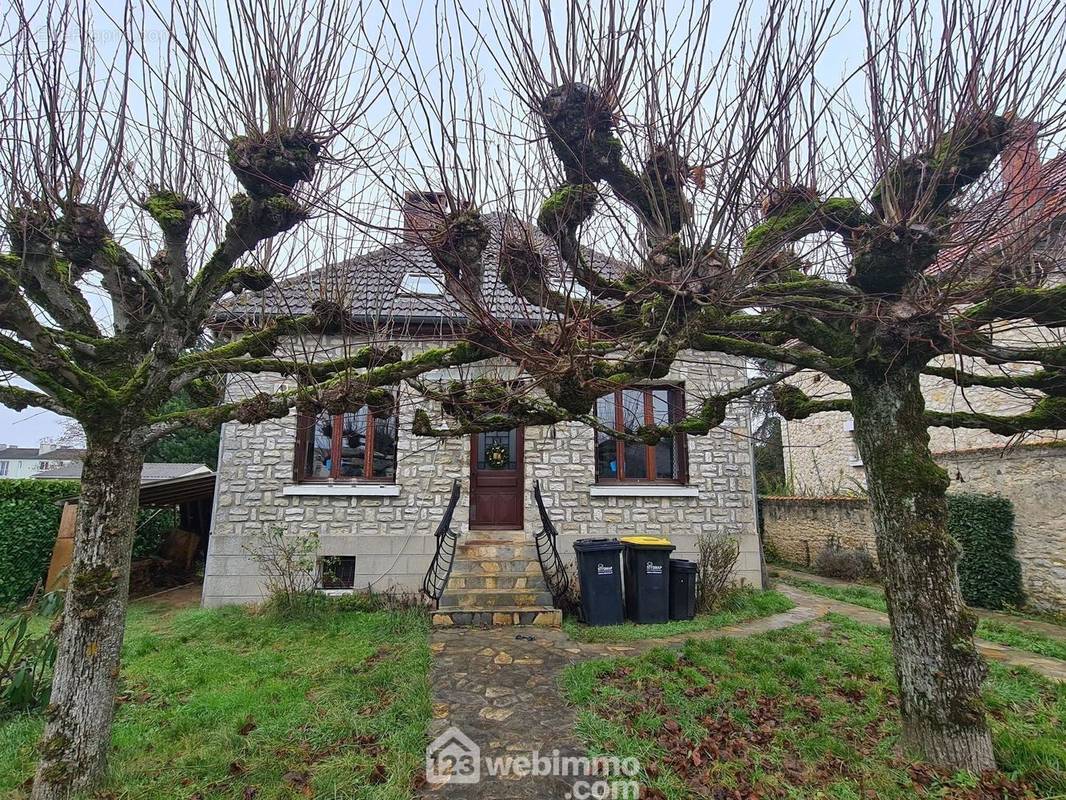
{"x": 496, "y": 580}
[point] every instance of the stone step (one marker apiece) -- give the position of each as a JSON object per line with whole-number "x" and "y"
{"x": 505, "y": 581}
{"x": 495, "y": 566}
{"x": 476, "y": 550}
{"x": 541, "y": 616}
{"x": 494, "y": 598}
{"x": 497, "y": 537}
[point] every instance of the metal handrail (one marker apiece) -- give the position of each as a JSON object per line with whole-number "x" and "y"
{"x": 440, "y": 568}
{"x": 551, "y": 563}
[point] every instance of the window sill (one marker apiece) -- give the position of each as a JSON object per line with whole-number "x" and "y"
{"x": 855, "y": 462}
{"x": 341, "y": 490}
{"x": 643, "y": 490}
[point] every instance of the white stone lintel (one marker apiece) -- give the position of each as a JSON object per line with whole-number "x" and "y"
{"x": 643, "y": 490}
{"x": 342, "y": 490}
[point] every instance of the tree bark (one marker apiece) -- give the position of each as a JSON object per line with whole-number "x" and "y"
{"x": 77, "y": 734}
{"x": 938, "y": 669}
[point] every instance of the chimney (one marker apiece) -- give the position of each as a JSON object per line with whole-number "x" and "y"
{"x": 422, "y": 214}
{"x": 46, "y": 446}
{"x": 1020, "y": 162}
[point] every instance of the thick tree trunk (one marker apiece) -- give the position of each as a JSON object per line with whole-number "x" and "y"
{"x": 937, "y": 667}
{"x": 73, "y": 749}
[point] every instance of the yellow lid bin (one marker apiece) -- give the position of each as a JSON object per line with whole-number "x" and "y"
{"x": 646, "y": 541}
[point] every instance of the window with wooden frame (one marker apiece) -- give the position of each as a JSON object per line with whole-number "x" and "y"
{"x": 627, "y": 410}
{"x": 355, "y": 446}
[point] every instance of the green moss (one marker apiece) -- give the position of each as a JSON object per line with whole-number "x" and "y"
{"x": 568, "y": 207}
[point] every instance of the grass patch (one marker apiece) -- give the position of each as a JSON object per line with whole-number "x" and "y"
{"x": 859, "y": 595}
{"x": 742, "y": 606}
{"x": 1021, "y": 638}
{"x": 992, "y": 630}
{"x": 805, "y": 712}
{"x": 232, "y": 704}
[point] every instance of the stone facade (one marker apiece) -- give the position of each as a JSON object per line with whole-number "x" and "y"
{"x": 1031, "y": 476}
{"x": 797, "y": 528}
{"x": 391, "y": 532}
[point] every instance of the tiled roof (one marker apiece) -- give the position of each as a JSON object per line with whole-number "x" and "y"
{"x": 149, "y": 472}
{"x": 369, "y": 285}
{"x": 16, "y": 453}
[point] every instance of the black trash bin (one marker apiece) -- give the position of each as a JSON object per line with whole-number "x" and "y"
{"x": 600, "y": 578}
{"x": 682, "y": 589}
{"x": 647, "y": 571}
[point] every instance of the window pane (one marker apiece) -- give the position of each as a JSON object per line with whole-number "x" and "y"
{"x": 497, "y": 450}
{"x": 385, "y": 446}
{"x": 636, "y": 465}
{"x": 319, "y": 444}
{"x": 337, "y": 572}
{"x": 353, "y": 444}
{"x": 606, "y": 446}
{"x": 665, "y": 410}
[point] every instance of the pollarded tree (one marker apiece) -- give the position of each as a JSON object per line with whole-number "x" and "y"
{"x": 123, "y": 232}
{"x": 881, "y": 260}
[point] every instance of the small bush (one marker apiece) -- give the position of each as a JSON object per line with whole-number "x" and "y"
{"x": 717, "y": 556}
{"x": 989, "y": 574}
{"x": 290, "y": 564}
{"x": 27, "y": 659}
{"x": 846, "y": 563}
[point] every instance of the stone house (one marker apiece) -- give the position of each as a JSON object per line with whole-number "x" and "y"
{"x": 374, "y": 492}
{"x": 822, "y": 461}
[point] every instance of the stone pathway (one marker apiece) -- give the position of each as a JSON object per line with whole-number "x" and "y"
{"x": 499, "y": 686}
{"x": 502, "y": 692}
{"x": 1034, "y": 625}
{"x": 1048, "y": 667}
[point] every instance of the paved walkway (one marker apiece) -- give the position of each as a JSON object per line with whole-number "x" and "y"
{"x": 1034, "y": 625}
{"x": 499, "y": 686}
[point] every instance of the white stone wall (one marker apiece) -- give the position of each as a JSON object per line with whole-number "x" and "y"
{"x": 392, "y": 536}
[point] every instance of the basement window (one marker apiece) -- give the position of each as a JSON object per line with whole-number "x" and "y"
{"x": 336, "y": 572}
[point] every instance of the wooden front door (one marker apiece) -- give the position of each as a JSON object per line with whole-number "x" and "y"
{"x": 496, "y": 480}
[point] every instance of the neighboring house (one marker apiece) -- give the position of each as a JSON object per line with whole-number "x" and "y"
{"x": 26, "y": 462}
{"x": 375, "y": 493}
{"x": 150, "y": 472}
{"x": 821, "y": 458}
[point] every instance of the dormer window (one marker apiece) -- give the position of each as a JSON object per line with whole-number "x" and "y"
{"x": 420, "y": 285}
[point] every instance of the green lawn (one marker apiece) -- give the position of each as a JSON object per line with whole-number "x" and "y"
{"x": 230, "y": 704}
{"x": 804, "y": 712}
{"x": 991, "y": 630}
{"x": 742, "y": 606}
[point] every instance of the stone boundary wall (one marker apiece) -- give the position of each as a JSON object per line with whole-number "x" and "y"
{"x": 1032, "y": 477}
{"x": 796, "y": 528}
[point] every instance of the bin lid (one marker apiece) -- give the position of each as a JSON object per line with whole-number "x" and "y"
{"x": 682, "y": 565}
{"x": 647, "y": 541}
{"x": 588, "y": 545}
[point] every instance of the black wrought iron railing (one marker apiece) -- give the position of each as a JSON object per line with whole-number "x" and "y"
{"x": 440, "y": 568}
{"x": 551, "y": 564}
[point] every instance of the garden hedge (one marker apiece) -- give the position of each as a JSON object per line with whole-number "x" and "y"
{"x": 990, "y": 575}
{"x": 29, "y": 522}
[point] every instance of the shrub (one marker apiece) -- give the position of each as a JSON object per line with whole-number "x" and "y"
{"x": 29, "y": 521}
{"x": 846, "y": 563}
{"x": 717, "y": 554}
{"x": 290, "y": 564}
{"x": 989, "y": 573}
{"x": 27, "y": 659}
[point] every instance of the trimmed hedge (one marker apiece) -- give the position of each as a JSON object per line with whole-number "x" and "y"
{"x": 29, "y": 522}
{"x": 983, "y": 525}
